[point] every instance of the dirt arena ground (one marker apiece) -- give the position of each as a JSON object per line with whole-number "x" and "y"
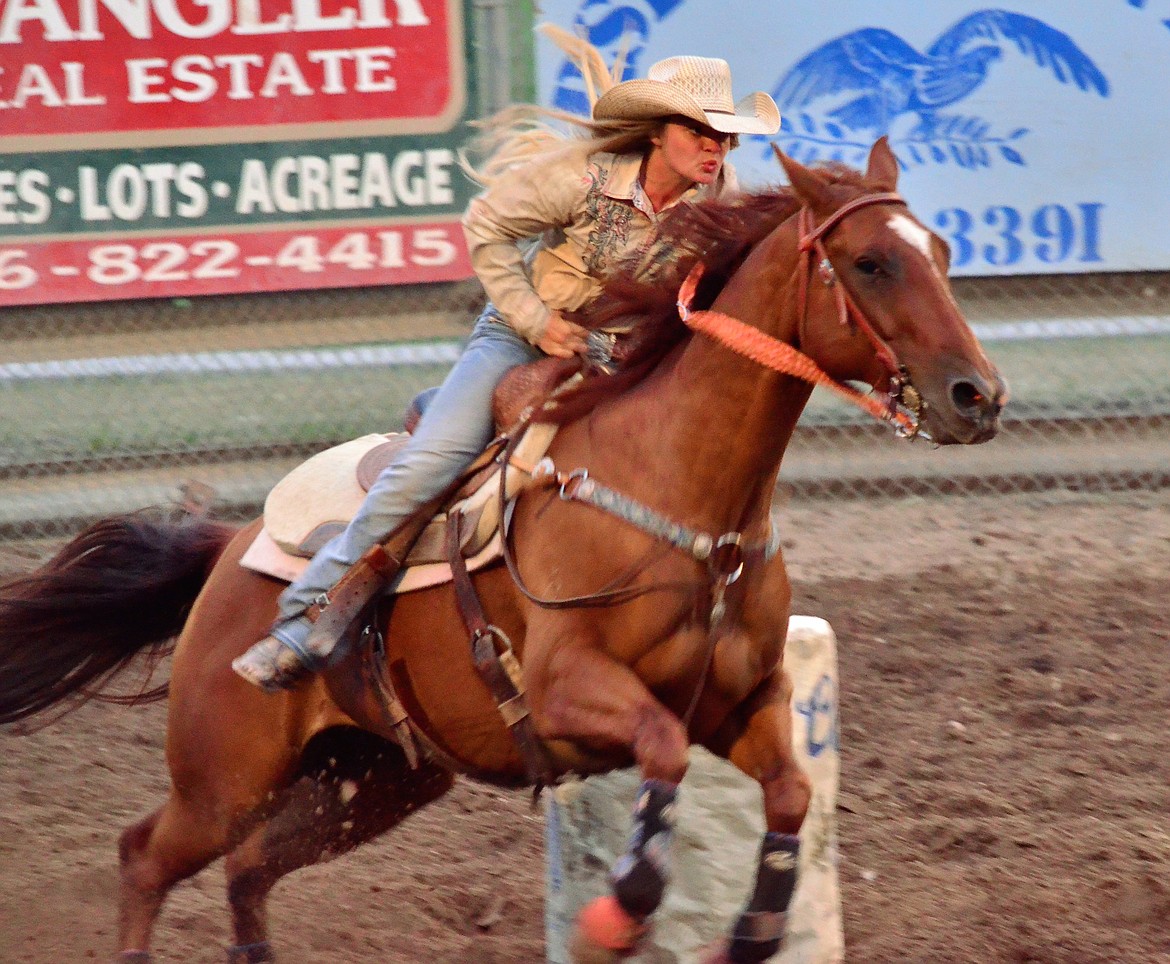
{"x": 1005, "y": 674}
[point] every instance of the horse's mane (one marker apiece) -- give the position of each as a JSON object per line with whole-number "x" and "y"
{"x": 642, "y": 295}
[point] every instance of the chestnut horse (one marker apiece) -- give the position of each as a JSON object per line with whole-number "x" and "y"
{"x": 687, "y": 437}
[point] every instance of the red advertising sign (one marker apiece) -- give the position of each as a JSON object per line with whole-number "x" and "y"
{"x": 179, "y": 147}
{"x": 116, "y": 66}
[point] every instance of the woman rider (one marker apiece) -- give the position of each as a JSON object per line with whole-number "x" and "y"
{"x": 589, "y": 203}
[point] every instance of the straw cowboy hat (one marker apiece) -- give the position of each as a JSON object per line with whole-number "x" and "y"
{"x": 695, "y": 87}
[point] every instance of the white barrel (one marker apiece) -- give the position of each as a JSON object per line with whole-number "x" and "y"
{"x": 717, "y": 835}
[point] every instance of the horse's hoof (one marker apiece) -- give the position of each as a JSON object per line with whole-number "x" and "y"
{"x": 718, "y": 953}
{"x": 134, "y": 957}
{"x": 605, "y": 932}
{"x": 257, "y": 953}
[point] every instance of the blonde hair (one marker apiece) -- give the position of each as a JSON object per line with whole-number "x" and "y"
{"x": 523, "y": 134}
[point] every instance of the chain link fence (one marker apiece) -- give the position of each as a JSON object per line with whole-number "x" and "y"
{"x": 116, "y": 406}
{"x": 112, "y": 407}
{"x": 1087, "y": 359}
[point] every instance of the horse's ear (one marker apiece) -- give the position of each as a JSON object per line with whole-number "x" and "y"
{"x": 882, "y": 171}
{"x": 808, "y": 187}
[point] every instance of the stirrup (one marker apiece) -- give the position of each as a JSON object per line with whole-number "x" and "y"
{"x": 272, "y": 665}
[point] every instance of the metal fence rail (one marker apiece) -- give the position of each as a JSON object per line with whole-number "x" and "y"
{"x": 112, "y": 407}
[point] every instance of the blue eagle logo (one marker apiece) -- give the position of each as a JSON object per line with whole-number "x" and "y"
{"x": 614, "y": 28}
{"x": 871, "y": 82}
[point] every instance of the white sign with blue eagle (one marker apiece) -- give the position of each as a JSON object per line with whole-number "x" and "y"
{"x": 1028, "y": 137}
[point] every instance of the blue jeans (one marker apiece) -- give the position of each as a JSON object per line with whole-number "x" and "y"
{"x": 455, "y": 428}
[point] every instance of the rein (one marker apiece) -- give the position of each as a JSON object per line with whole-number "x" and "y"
{"x": 724, "y": 556}
{"x": 901, "y": 404}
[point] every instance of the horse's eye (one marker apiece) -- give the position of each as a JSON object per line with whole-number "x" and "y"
{"x": 868, "y": 266}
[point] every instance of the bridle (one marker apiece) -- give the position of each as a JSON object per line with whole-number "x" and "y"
{"x": 900, "y": 403}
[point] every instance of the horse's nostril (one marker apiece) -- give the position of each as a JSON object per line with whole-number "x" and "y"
{"x": 968, "y": 398}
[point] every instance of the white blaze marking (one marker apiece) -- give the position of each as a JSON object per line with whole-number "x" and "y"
{"x": 919, "y": 238}
{"x": 913, "y": 234}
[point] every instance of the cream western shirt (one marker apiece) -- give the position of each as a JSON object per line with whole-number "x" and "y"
{"x": 586, "y": 216}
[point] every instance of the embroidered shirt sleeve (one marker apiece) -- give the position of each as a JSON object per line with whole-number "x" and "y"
{"x": 522, "y": 205}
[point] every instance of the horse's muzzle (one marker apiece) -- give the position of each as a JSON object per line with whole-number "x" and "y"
{"x": 976, "y": 403}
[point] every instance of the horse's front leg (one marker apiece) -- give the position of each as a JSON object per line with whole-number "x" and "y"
{"x": 758, "y": 740}
{"x": 589, "y": 698}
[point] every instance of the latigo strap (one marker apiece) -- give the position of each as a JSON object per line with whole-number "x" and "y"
{"x": 498, "y": 667}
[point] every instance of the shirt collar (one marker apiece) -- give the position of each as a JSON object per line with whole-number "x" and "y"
{"x": 622, "y": 183}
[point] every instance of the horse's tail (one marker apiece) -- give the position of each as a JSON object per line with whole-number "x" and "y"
{"x": 69, "y": 627}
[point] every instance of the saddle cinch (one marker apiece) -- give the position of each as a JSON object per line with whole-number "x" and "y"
{"x": 316, "y": 500}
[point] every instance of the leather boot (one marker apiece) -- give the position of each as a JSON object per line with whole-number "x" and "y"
{"x": 272, "y": 664}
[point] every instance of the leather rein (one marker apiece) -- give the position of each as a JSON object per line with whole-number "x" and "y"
{"x": 900, "y": 403}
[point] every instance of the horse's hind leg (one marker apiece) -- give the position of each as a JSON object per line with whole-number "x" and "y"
{"x": 226, "y": 773}
{"x": 170, "y": 845}
{"x": 354, "y": 787}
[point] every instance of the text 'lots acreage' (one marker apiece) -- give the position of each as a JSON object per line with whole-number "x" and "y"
{"x": 302, "y": 184}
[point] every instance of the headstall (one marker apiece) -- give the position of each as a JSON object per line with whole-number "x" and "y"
{"x": 901, "y": 404}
